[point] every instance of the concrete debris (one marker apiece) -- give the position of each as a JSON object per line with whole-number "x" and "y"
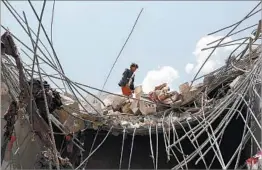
{"x": 4, "y": 89}
{"x": 68, "y": 113}
{"x": 113, "y": 101}
{"x": 143, "y": 110}
{"x": 236, "y": 81}
{"x": 147, "y": 108}
{"x": 45, "y": 160}
{"x": 184, "y": 88}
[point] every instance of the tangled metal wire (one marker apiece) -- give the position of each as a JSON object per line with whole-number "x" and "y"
{"x": 246, "y": 65}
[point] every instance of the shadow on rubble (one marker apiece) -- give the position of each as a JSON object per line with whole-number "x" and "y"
{"x": 108, "y": 155}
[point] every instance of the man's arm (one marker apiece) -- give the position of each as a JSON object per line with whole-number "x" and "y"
{"x": 132, "y": 87}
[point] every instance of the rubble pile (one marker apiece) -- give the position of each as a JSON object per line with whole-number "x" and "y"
{"x": 161, "y": 106}
{"x": 45, "y": 160}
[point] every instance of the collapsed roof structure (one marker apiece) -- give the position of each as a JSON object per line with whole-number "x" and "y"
{"x": 37, "y": 114}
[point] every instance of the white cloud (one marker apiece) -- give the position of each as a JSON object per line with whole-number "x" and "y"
{"x": 189, "y": 67}
{"x": 215, "y": 61}
{"x": 165, "y": 74}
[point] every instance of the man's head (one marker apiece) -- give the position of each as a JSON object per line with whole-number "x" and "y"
{"x": 133, "y": 67}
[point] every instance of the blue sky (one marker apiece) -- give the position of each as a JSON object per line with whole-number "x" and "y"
{"x": 88, "y": 36}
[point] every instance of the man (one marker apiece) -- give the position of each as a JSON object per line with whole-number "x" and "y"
{"x": 127, "y": 81}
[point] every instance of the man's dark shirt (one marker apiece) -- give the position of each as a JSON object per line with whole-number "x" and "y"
{"x": 125, "y": 79}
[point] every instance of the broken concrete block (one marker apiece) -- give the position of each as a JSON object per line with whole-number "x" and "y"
{"x": 147, "y": 108}
{"x": 177, "y": 103}
{"x": 134, "y": 106}
{"x": 172, "y": 99}
{"x": 126, "y": 108}
{"x": 115, "y": 101}
{"x": 197, "y": 86}
{"x": 124, "y": 123}
{"x": 138, "y": 92}
{"x": 110, "y": 111}
{"x": 66, "y": 100}
{"x": 236, "y": 81}
{"x": 4, "y": 89}
{"x": 68, "y": 115}
{"x": 183, "y": 88}
{"x": 68, "y": 107}
{"x": 191, "y": 95}
{"x": 136, "y": 125}
{"x": 73, "y": 123}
